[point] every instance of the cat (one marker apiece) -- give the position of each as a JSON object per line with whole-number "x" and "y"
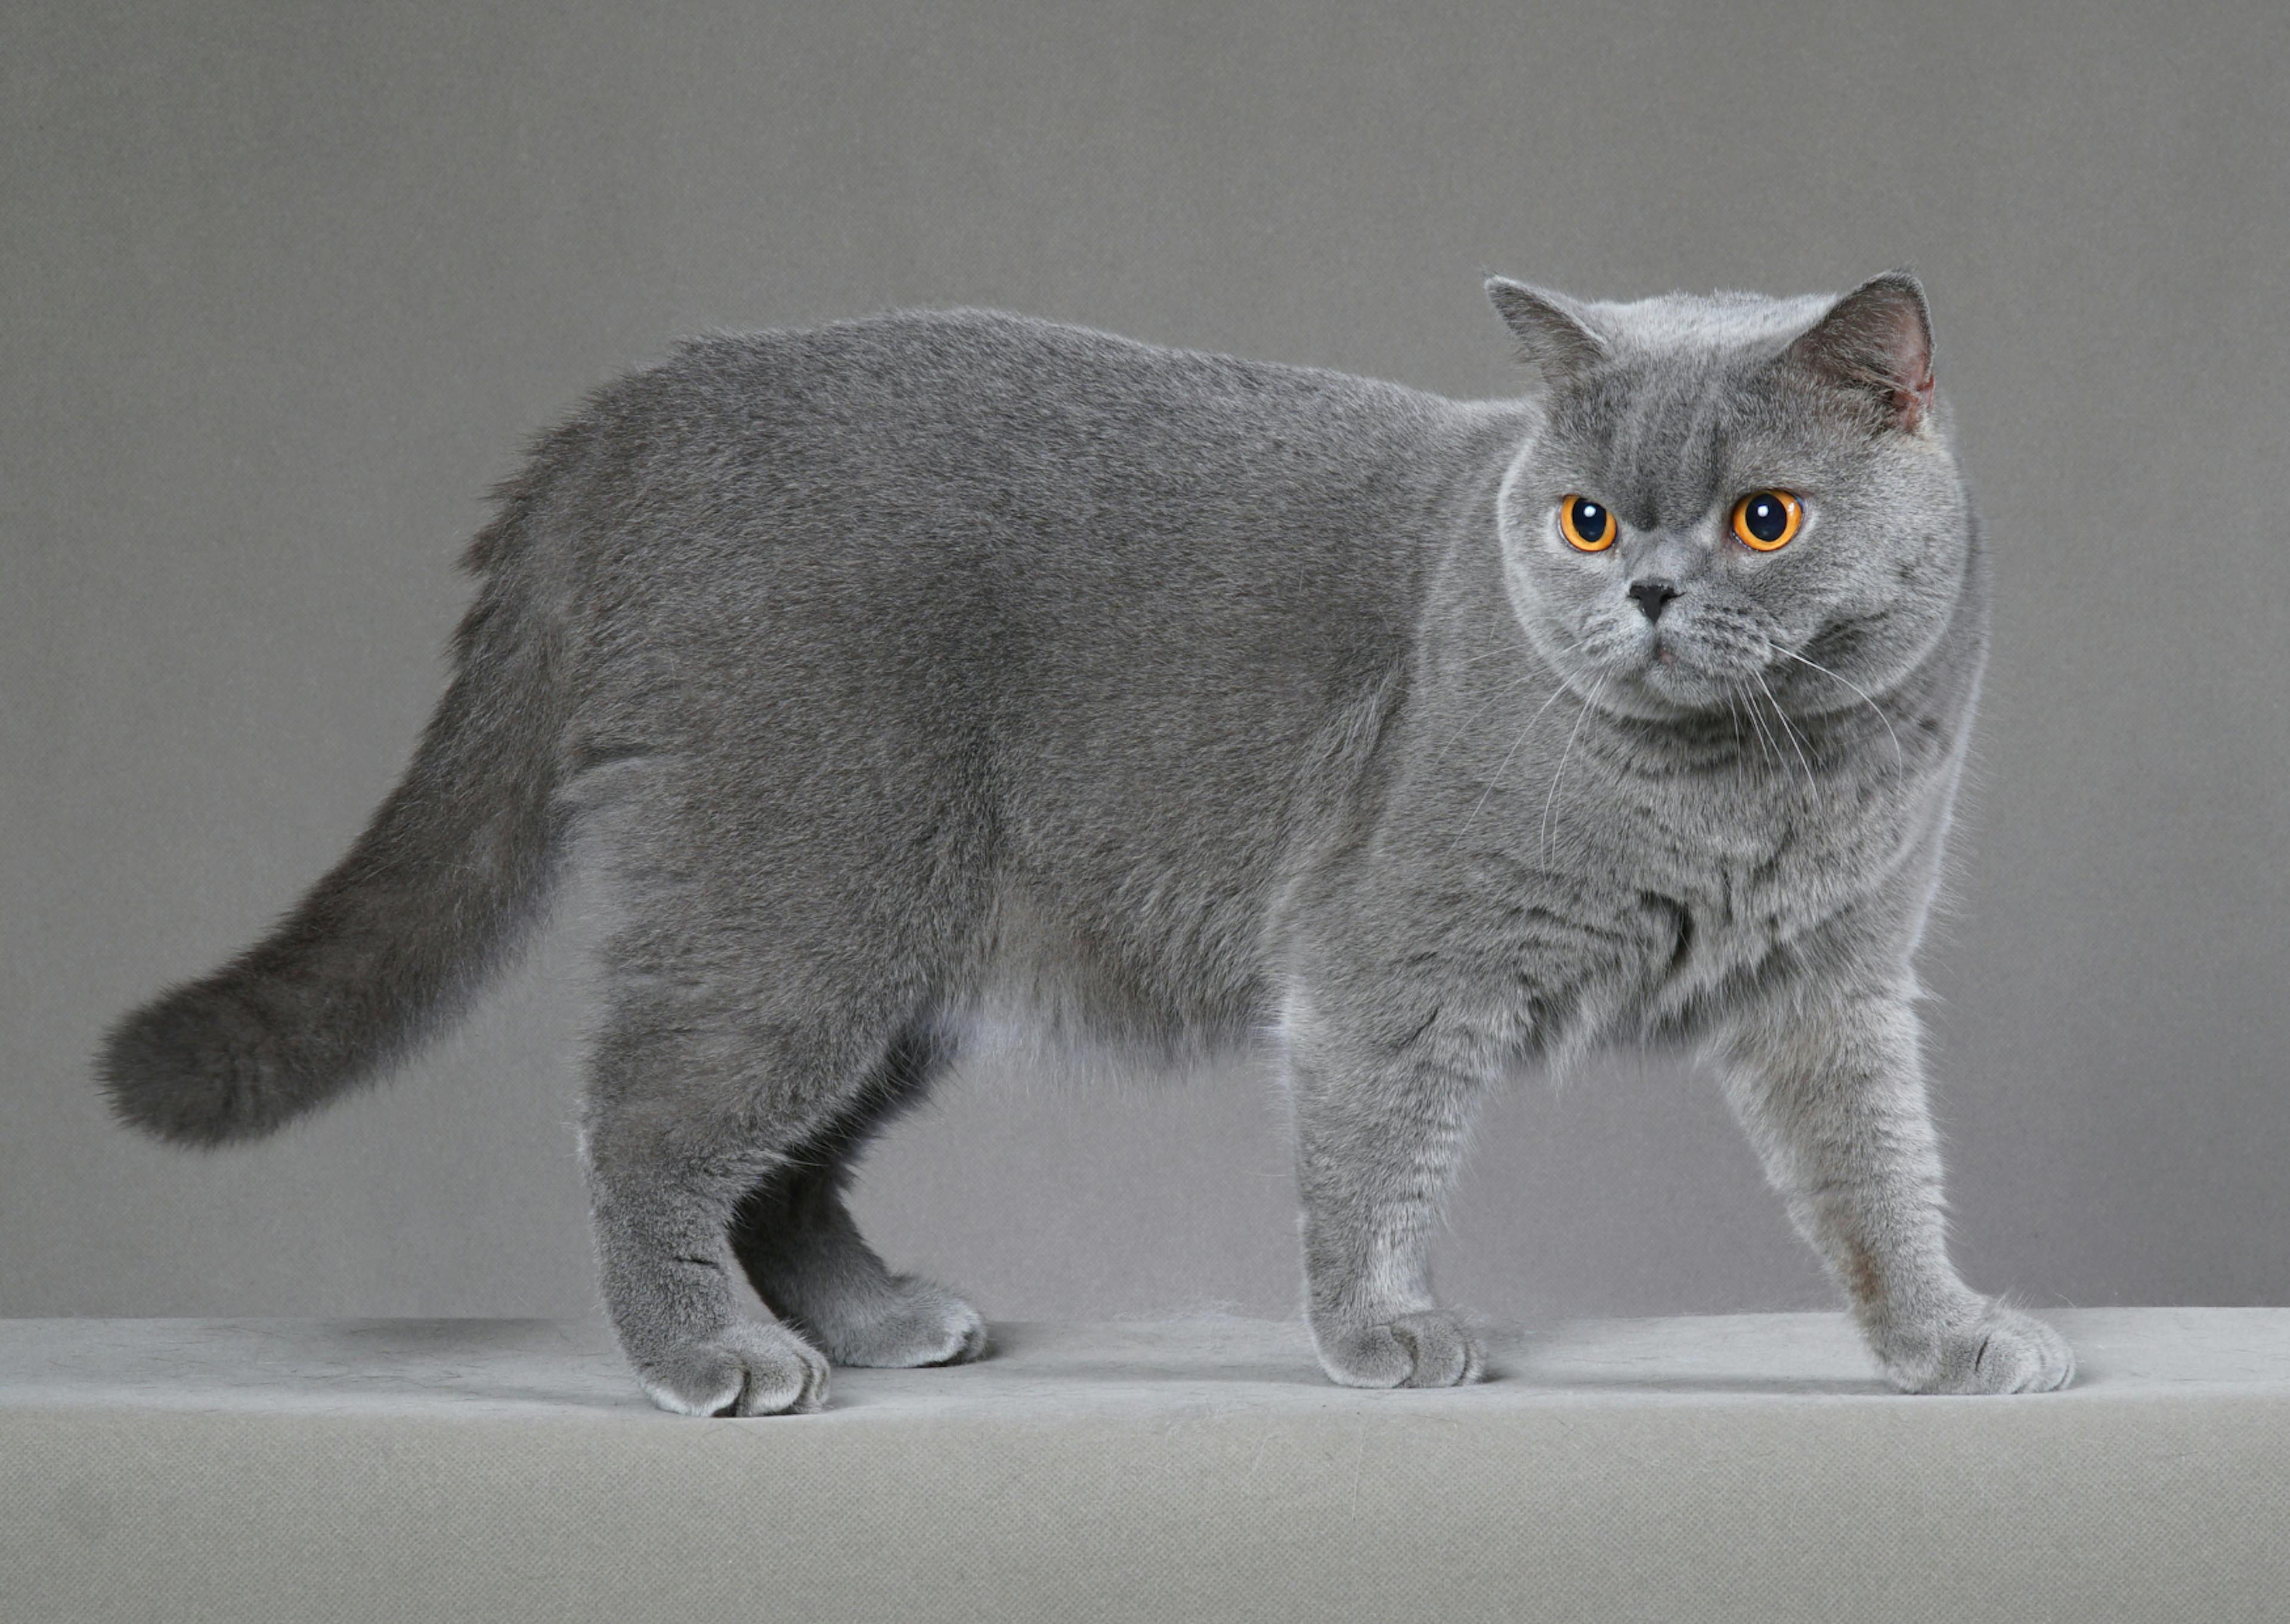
{"x": 910, "y": 668}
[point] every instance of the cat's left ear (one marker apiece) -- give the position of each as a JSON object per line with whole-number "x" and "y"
{"x": 1877, "y": 340}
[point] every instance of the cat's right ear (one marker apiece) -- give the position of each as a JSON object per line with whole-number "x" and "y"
{"x": 1554, "y": 332}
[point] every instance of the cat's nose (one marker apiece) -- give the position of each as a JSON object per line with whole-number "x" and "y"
{"x": 1650, "y": 595}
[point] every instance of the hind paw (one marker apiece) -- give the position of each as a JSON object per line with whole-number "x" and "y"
{"x": 909, "y": 1322}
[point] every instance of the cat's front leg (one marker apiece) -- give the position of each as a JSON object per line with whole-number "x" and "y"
{"x": 1380, "y": 1123}
{"x": 1830, "y": 1089}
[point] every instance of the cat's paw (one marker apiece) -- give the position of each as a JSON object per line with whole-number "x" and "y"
{"x": 912, "y": 1322}
{"x": 1993, "y": 1349}
{"x": 1429, "y": 1349}
{"x": 752, "y": 1368}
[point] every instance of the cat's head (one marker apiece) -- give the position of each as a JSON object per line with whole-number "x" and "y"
{"x": 1729, "y": 487}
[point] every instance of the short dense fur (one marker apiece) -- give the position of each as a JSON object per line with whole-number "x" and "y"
{"x": 938, "y": 664}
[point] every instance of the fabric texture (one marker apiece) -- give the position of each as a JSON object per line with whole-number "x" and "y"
{"x": 1734, "y": 1467}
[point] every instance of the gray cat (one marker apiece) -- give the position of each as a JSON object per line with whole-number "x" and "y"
{"x": 923, "y": 666}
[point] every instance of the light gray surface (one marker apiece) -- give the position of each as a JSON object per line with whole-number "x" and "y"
{"x": 283, "y": 287}
{"x": 569, "y": 1371}
{"x": 1711, "y": 1468}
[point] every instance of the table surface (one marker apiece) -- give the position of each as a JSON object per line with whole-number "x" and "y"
{"x": 1733, "y": 1468}
{"x": 532, "y": 1369}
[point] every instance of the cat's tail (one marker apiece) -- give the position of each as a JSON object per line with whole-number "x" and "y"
{"x": 406, "y": 929}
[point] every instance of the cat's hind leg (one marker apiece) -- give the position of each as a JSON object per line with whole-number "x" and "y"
{"x": 794, "y": 1237}
{"x": 669, "y": 1151}
{"x": 696, "y": 1101}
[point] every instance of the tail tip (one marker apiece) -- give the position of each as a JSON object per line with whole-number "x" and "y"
{"x": 193, "y": 1068}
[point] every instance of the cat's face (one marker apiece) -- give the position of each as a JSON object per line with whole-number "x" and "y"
{"x": 1730, "y": 493}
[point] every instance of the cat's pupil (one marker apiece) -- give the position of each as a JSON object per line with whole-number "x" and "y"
{"x": 1767, "y": 518}
{"x": 1589, "y": 519}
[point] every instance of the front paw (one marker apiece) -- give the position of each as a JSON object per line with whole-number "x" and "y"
{"x": 1989, "y": 1349}
{"x": 746, "y": 1369}
{"x": 1427, "y": 1349}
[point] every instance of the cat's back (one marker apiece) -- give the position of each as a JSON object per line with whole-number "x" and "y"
{"x": 956, "y": 414}
{"x": 967, "y": 370}
{"x": 960, "y": 595}
{"x": 979, "y": 489}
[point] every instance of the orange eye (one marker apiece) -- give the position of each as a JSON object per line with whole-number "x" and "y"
{"x": 1767, "y": 519}
{"x": 1587, "y": 526}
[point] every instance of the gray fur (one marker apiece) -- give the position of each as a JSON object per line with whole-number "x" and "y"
{"x": 913, "y": 670}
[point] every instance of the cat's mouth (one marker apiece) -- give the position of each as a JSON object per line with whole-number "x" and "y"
{"x": 1688, "y": 663}
{"x": 1687, "y": 674}
{"x": 1700, "y": 661}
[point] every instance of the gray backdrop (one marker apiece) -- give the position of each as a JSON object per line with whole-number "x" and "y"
{"x": 283, "y": 288}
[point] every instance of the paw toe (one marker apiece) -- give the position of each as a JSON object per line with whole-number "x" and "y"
{"x": 1998, "y": 1350}
{"x": 918, "y": 1322}
{"x": 1429, "y": 1349}
{"x": 749, "y": 1370}
{"x": 970, "y": 1341}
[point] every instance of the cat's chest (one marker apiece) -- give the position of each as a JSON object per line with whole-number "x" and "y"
{"x": 1708, "y": 880}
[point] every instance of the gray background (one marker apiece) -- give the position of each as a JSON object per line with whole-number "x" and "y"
{"x": 283, "y": 290}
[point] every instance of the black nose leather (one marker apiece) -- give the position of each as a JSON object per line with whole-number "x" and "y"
{"x": 1650, "y": 595}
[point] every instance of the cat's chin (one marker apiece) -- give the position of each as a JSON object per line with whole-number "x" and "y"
{"x": 1670, "y": 690}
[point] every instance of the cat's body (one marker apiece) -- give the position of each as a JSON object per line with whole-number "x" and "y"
{"x": 911, "y": 669}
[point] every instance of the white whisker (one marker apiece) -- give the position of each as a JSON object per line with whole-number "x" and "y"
{"x": 1782, "y": 717}
{"x": 1765, "y": 736}
{"x": 1551, "y": 795}
{"x": 1490, "y": 654}
{"x": 1524, "y": 679}
{"x": 1899, "y": 754}
{"x": 1497, "y": 776}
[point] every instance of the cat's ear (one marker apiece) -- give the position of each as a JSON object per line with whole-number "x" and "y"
{"x": 1877, "y": 341}
{"x": 1554, "y": 332}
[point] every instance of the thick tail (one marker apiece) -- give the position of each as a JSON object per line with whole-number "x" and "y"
{"x": 394, "y": 941}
